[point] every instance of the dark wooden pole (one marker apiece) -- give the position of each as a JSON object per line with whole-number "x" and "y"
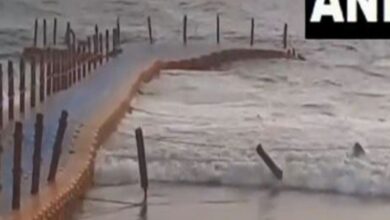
{"x": 118, "y": 29}
{"x": 33, "y": 82}
{"x": 55, "y": 31}
{"x": 100, "y": 48}
{"x": 218, "y": 27}
{"x": 142, "y": 161}
{"x": 84, "y": 60}
{"x": 150, "y": 30}
{"x": 22, "y": 85}
{"x": 185, "y": 29}
{"x": 17, "y": 169}
{"x": 42, "y": 79}
{"x": 278, "y": 173}
{"x": 44, "y": 33}
{"x": 252, "y": 30}
{"x": 1, "y": 96}
{"x": 89, "y": 54}
{"x": 57, "y": 148}
{"x": 11, "y": 91}
{"x": 36, "y": 173}
{"x": 49, "y": 74}
{"x": 35, "y": 32}
{"x": 95, "y": 50}
{"x": 107, "y": 45}
{"x": 285, "y": 36}
{"x": 67, "y": 35}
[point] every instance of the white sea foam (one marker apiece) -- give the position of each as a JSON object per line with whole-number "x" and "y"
{"x": 203, "y": 127}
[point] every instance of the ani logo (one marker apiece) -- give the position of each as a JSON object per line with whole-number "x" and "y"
{"x": 347, "y": 19}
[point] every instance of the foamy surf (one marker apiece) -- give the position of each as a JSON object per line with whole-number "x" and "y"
{"x": 203, "y": 128}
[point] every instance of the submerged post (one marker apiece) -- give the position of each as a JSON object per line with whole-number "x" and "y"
{"x": 252, "y": 30}
{"x": 118, "y": 29}
{"x": 55, "y": 31}
{"x": 17, "y": 169}
{"x": 100, "y": 48}
{"x": 278, "y": 173}
{"x": 49, "y": 74}
{"x": 57, "y": 148}
{"x": 11, "y": 91}
{"x": 218, "y": 40}
{"x": 37, "y": 154}
{"x": 35, "y": 32}
{"x": 185, "y": 29}
{"x": 89, "y": 54}
{"x": 150, "y": 30}
{"x": 142, "y": 161}
{"x": 285, "y": 36}
{"x": 22, "y": 84}
{"x": 33, "y": 82}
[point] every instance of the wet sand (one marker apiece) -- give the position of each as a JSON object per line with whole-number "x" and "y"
{"x": 167, "y": 201}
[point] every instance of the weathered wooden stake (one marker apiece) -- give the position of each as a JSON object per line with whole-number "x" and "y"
{"x": 114, "y": 46}
{"x": 22, "y": 84}
{"x": 55, "y": 31}
{"x": 84, "y": 62}
{"x": 36, "y": 173}
{"x": 285, "y": 36}
{"x": 1, "y": 96}
{"x": 107, "y": 38}
{"x": 278, "y": 173}
{"x": 57, "y": 148}
{"x": 35, "y": 32}
{"x": 252, "y": 30}
{"x": 44, "y": 33}
{"x": 95, "y": 50}
{"x": 218, "y": 37}
{"x": 42, "y": 79}
{"x": 143, "y": 171}
{"x": 185, "y": 29}
{"x": 67, "y": 35}
{"x": 49, "y": 74}
{"x": 33, "y": 82}
{"x": 150, "y": 30}
{"x": 100, "y": 48}
{"x": 17, "y": 169}
{"x": 89, "y": 54}
{"x": 118, "y": 28}
{"x": 11, "y": 91}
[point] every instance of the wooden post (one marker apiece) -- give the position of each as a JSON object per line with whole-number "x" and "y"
{"x": 101, "y": 48}
{"x": 57, "y": 148}
{"x": 285, "y": 36}
{"x": 17, "y": 169}
{"x": 42, "y": 79}
{"x": 278, "y": 173}
{"x": 55, "y": 31}
{"x": 33, "y": 82}
{"x": 118, "y": 29}
{"x": 252, "y": 30}
{"x": 44, "y": 33}
{"x": 84, "y": 60}
{"x": 78, "y": 61}
{"x": 185, "y": 29}
{"x": 67, "y": 35}
{"x": 11, "y": 91}
{"x": 49, "y": 74}
{"x": 114, "y": 42}
{"x": 143, "y": 171}
{"x": 1, "y": 96}
{"x": 35, "y": 32}
{"x": 95, "y": 50}
{"x": 150, "y": 30}
{"x": 218, "y": 37}
{"x": 107, "y": 45}
{"x": 36, "y": 173}
{"x": 89, "y": 54}
{"x": 22, "y": 85}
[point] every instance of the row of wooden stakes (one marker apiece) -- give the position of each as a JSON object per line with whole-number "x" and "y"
{"x": 53, "y": 70}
